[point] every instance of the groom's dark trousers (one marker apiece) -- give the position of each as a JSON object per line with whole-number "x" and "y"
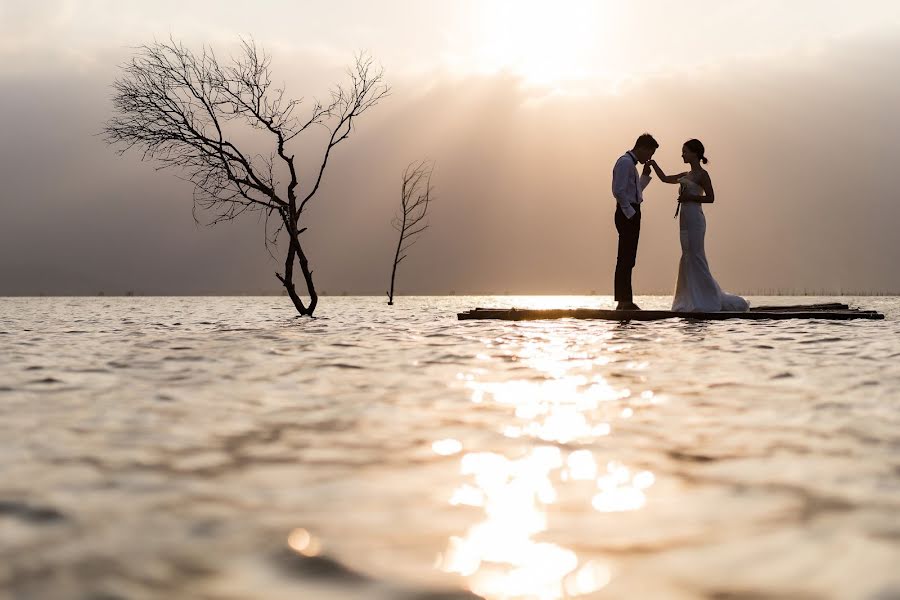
{"x": 629, "y": 232}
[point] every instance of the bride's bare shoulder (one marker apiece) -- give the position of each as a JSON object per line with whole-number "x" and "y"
{"x": 702, "y": 175}
{"x": 694, "y": 176}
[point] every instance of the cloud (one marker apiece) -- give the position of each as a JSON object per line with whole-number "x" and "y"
{"x": 801, "y": 156}
{"x": 30, "y": 32}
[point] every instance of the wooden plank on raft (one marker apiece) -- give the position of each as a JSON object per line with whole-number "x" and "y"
{"x": 826, "y": 306}
{"x": 833, "y": 312}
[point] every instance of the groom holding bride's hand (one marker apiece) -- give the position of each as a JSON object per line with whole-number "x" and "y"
{"x": 628, "y": 187}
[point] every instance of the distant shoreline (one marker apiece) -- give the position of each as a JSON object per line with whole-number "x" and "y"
{"x": 764, "y": 293}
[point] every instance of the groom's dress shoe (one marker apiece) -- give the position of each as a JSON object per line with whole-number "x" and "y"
{"x": 627, "y": 306}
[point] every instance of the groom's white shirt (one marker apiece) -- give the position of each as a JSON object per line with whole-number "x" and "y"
{"x": 627, "y": 185}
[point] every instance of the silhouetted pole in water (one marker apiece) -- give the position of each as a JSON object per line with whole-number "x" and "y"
{"x": 415, "y": 196}
{"x": 182, "y": 109}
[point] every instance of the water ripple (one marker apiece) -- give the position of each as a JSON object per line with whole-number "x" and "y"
{"x": 218, "y": 447}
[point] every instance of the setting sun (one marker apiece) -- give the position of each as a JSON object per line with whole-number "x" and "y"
{"x": 544, "y": 43}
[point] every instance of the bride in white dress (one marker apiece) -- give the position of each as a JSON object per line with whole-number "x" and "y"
{"x": 696, "y": 290}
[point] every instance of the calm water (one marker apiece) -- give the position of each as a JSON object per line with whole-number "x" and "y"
{"x": 221, "y": 448}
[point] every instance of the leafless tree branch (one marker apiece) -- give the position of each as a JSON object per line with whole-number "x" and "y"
{"x": 415, "y": 197}
{"x": 175, "y": 106}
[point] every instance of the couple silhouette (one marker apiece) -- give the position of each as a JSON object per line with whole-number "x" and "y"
{"x": 696, "y": 289}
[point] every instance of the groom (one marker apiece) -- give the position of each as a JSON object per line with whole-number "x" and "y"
{"x": 628, "y": 189}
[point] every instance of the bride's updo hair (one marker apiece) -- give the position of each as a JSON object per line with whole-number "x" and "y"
{"x": 696, "y": 146}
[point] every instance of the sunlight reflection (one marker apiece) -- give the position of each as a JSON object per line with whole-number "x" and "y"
{"x": 566, "y": 400}
{"x": 302, "y": 542}
{"x": 589, "y": 578}
{"x": 582, "y": 465}
{"x": 554, "y": 410}
{"x": 447, "y": 447}
{"x": 619, "y": 490}
{"x": 499, "y": 555}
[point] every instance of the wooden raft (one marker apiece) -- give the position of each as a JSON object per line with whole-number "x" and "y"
{"x": 832, "y": 312}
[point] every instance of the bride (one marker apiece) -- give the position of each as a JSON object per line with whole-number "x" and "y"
{"x": 696, "y": 290}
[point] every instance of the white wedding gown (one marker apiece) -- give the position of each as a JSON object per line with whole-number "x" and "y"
{"x": 696, "y": 289}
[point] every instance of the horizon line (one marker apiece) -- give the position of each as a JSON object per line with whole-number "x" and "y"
{"x": 795, "y": 293}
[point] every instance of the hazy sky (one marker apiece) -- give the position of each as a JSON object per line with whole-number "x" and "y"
{"x": 524, "y": 106}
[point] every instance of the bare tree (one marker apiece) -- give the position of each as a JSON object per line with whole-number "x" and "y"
{"x": 185, "y": 109}
{"x": 415, "y": 197}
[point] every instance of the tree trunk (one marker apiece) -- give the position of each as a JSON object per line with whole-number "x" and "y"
{"x": 393, "y": 275}
{"x": 307, "y": 275}
{"x": 397, "y": 260}
{"x": 296, "y": 251}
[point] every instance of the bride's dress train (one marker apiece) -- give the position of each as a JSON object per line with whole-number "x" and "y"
{"x": 696, "y": 289}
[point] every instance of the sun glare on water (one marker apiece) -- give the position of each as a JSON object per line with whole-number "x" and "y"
{"x": 544, "y": 43}
{"x": 520, "y": 546}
